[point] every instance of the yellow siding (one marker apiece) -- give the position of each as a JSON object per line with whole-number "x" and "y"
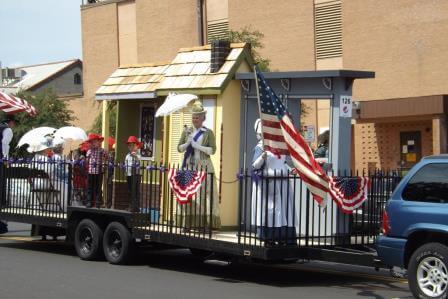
{"x": 177, "y": 122}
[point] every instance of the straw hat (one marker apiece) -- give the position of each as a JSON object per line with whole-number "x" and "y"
{"x": 198, "y": 108}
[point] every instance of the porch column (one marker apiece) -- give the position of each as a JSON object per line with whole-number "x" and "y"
{"x": 105, "y": 125}
{"x": 439, "y": 135}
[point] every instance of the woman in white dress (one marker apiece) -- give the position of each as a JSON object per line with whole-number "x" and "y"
{"x": 272, "y": 207}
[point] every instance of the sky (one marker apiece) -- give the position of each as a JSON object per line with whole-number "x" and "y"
{"x": 39, "y": 31}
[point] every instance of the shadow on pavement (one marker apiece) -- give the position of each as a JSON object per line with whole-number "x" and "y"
{"x": 293, "y": 275}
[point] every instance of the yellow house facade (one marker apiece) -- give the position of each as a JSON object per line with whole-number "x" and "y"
{"x": 140, "y": 89}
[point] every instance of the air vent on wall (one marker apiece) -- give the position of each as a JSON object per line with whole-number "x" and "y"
{"x": 217, "y": 30}
{"x": 328, "y": 29}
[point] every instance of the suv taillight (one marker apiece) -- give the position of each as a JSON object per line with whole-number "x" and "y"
{"x": 386, "y": 225}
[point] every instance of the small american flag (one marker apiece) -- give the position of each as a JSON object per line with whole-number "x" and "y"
{"x": 185, "y": 183}
{"x": 280, "y": 137}
{"x": 11, "y": 104}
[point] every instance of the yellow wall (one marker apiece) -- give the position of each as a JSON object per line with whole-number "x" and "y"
{"x": 229, "y": 109}
{"x": 228, "y": 113}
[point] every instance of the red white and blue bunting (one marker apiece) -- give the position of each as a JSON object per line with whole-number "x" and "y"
{"x": 185, "y": 183}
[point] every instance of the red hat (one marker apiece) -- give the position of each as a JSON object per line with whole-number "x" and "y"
{"x": 133, "y": 139}
{"x": 111, "y": 143}
{"x": 93, "y": 136}
{"x": 84, "y": 146}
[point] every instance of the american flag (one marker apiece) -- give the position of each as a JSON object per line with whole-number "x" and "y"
{"x": 280, "y": 137}
{"x": 185, "y": 183}
{"x": 11, "y": 104}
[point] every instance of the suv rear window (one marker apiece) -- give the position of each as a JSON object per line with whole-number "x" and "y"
{"x": 429, "y": 184}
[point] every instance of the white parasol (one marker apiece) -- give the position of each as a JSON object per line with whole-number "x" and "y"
{"x": 35, "y": 135}
{"x": 40, "y": 143}
{"x": 175, "y": 102}
{"x": 70, "y": 133}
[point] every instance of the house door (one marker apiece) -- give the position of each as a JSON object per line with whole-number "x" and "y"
{"x": 411, "y": 148}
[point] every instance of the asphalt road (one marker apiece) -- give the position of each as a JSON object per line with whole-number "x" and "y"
{"x": 50, "y": 269}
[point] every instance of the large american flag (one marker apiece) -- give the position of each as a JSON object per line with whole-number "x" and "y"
{"x": 11, "y": 104}
{"x": 280, "y": 137}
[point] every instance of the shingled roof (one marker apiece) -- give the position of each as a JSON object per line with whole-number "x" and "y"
{"x": 188, "y": 72}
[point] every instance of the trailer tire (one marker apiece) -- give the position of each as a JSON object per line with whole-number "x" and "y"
{"x": 117, "y": 244}
{"x": 88, "y": 240}
{"x": 428, "y": 271}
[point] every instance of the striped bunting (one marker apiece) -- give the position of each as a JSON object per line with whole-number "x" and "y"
{"x": 185, "y": 183}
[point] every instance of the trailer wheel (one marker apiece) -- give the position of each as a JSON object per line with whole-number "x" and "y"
{"x": 88, "y": 240}
{"x": 117, "y": 243}
{"x": 428, "y": 271}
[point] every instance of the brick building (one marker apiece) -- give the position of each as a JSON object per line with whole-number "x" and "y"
{"x": 402, "y": 113}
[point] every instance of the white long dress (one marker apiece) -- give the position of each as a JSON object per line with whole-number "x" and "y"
{"x": 272, "y": 204}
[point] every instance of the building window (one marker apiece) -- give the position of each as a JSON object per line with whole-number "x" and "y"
{"x": 328, "y": 29}
{"x": 77, "y": 79}
{"x": 147, "y": 131}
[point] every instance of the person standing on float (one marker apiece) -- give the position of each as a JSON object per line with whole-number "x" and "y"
{"x": 272, "y": 205}
{"x": 198, "y": 143}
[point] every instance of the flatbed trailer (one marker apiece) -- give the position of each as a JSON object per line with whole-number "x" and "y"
{"x": 325, "y": 235}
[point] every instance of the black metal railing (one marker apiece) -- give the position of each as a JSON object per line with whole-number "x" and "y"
{"x": 278, "y": 210}
{"x": 275, "y": 210}
{"x": 35, "y": 188}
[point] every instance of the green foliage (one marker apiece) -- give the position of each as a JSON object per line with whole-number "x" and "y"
{"x": 52, "y": 112}
{"x": 97, "y": 124}
{"x": 253, "y": 37}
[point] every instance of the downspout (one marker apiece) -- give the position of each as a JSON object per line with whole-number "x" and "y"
{"x": 200, "y": 16}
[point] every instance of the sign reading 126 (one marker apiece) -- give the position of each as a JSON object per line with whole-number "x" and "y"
{"x": 345, "y": 106}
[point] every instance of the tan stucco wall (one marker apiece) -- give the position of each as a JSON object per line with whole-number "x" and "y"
{"x": 100, "y": 55}
{"x": 404, "y": 42}
{"x": 288, "y": 30}
{"x": 163, "y": 27}
{"x": 217, "y": 9}
{"x": 127, "y": 33}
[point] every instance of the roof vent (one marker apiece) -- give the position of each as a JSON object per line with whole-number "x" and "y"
{"x": 220, "y": 50}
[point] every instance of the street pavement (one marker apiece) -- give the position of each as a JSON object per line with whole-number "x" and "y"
{"x": 31, "y": 268}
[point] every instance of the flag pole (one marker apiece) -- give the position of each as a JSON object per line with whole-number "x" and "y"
{"x": 259, "y": 105}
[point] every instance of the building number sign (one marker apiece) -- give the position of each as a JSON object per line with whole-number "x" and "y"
{"x": 345, "y": 106}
